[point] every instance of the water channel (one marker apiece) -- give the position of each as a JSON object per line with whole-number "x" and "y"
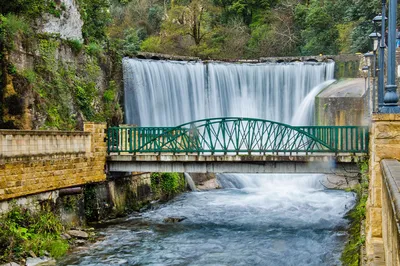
{"x": 253, "y": 220}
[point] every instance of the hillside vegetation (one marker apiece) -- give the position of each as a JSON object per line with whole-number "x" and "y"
{"x": 49, "y": 82}
{"x": 243, "y": 28}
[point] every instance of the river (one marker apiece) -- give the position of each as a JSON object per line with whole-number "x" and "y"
{"x": 254, "y": 220}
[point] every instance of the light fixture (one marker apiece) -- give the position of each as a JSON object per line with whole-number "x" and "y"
{"x": 375, "y": 36}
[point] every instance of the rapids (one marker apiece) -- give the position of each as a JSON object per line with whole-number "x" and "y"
{"x": 254, "y": 220}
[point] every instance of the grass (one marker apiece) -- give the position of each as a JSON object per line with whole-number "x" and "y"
{"x": 23, "y": 231}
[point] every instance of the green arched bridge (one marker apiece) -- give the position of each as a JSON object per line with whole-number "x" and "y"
{"x": 213, "y": 143}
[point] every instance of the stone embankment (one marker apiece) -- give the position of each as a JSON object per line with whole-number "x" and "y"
{"x": 41, "y": 161}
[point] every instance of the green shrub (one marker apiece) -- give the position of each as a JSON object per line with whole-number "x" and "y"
{"x": 75, "y": 45}
{"x": 167, "y": 185}
{"x": 94, "y": 49}
{"x": 22, "y": 231}
{"x": 351, "y": 253}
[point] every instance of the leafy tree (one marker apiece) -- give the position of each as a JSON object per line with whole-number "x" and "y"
{"x": 319, "y": 32}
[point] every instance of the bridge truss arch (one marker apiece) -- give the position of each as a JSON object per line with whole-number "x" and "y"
{"x": 238, "y": 135}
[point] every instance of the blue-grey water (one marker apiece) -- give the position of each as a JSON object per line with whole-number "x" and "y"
{"x": 254, "y": 220}
{"x": 169, "y": 93}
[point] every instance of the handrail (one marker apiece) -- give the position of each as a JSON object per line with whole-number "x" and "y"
{"x": 238, "y": 135}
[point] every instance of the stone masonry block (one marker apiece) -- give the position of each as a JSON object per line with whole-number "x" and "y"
{"x": 376, "y": 222}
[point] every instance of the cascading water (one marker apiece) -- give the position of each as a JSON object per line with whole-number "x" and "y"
{"x": 256, "y": 219}
{"x": 168, "y": 93}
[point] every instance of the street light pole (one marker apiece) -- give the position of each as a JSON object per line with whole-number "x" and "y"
{"x": 375, "y": 43}
{"x": 391, "y": 98}
{"x": 381, "y": 76}
{"x": 366, "y": 69}
{"x": 371, "y": 61}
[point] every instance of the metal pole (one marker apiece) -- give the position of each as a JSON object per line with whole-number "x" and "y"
{"x": 390, "y": 99}
{"x": 381, "y": 76}
{"x": 373, "y": 84}
{"x": 369, "y": 93}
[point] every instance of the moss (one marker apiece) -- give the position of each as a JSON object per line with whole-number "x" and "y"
{"x": 167, "y": 185}
{"x": 351, "y": 252}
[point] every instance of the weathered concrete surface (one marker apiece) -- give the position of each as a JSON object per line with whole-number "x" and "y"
{"x": 319, "y": 163}
{"x": 346, "y": 66}
{"x": 342, "y": 103}
{"x": 391, "y": 211}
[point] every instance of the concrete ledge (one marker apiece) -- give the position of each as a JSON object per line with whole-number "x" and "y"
{"x": 391, "y": 210}
{"x": 329, "y": 164}
{"x": 320, "y": 157}
{"x": 391, "y": 175}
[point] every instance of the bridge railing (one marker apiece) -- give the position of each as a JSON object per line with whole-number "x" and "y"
{"x": 341, "y": 138}
{"x": 238, "y": 135}
{"x": 139, "y": 139}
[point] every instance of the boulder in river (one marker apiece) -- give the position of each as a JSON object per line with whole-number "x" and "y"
{"x": 174, "y": 219}
{"x": 78, "y": 234}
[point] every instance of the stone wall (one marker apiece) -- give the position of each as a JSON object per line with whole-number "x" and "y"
{"x": 384, "y": 144}
{"x": 32, "y": 162}
{"x": 391, "y": 211}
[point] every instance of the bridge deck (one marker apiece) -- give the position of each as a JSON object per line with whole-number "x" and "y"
{"x": 310, "y": 163}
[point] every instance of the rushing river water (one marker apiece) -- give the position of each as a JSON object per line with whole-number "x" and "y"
{"x": 255, "y": 220}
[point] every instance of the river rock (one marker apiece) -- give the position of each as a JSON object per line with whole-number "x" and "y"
{"x": 207, "y": 185}
{"x": 80, "y": 242}
{"x": 65, "y": 236}
{"x": 32, "y": 254}
{"x": 174, "y": 219}
{"x": 42, "y": 261}
{"x": 78, "y": 234}
{"x": 10, "y": 264}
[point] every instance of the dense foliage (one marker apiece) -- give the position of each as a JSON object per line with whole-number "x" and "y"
{"x": 351, "y": 253}
{"x": 167, "y": 185}
{"x": 59, "y": 89}
{"x": 23, "y": 232}
{"x": 243, "y": 28}
{"x": 60, "y": 94}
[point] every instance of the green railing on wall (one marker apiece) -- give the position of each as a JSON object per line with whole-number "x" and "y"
{"x": 238, "y": 135}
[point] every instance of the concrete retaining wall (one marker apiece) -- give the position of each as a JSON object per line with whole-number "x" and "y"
{"x": 342, "y": 104}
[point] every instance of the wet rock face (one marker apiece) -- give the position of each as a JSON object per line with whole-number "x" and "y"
{"x": 68, "y": 24}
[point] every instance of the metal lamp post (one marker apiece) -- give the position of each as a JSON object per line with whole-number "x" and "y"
{"x": 365, "y": 69}
{"x": 369, "y": 68}
{"x": 375, "y": 44}
{"x": 381, "y": 19}
{"x": 391, "y": 98}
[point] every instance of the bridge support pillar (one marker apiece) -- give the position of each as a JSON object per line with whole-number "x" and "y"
{"x": 384, "y": 144}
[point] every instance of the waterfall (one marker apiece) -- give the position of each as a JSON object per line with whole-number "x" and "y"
{"x": 272, "y": 182}
{"x": 305, "y": 112}
{"x": 190, "y": 182}
{"x": 169, "y": 93}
